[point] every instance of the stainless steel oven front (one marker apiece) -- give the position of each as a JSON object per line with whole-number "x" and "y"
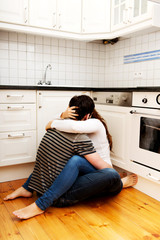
{"x": 145, "y": 133}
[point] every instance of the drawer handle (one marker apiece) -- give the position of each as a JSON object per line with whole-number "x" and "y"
{"x": 16, "y": 135}
{"x": 152, "y": 177}
{"x": 15, "y": 108}
{"x": 8, "y": 96}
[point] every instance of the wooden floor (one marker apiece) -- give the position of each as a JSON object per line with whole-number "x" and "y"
{"x": 129, "y": 215}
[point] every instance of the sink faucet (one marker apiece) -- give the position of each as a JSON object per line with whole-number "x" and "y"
{"x": 45, "y": 74}
{"x": 44, "y": 82}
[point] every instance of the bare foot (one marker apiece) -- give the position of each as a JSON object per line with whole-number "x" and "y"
{"x": 20, "y": 192}
{"x": 129, "y": 180}
{"x": 122, "y": 174}
{"x": 28, "y": 212}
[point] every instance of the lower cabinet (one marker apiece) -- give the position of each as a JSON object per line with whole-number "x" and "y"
{"x": 17, "y": 147}
{"x": 17, "y": 127}
{"x": 118, "y": 122}
{"x": 51, "y": 104}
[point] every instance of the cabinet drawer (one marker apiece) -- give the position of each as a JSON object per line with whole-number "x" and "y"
{"x": 15, "y": 117}
{"x": 17, "y": 96}
{"x": 17, "y": 147}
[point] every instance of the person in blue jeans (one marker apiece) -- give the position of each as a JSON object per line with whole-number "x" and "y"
{"x": 79, "y": 180}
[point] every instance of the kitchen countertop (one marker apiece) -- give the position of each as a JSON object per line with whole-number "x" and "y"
{"x": 81, "y": 88}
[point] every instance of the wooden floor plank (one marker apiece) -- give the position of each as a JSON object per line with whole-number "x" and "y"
{"x": 131, "y": 215}
{"x": 29, "y": 229}
{"x": 72, "y": 226}
{"x": 8, "y": 229}
{"x": 119, "y": 222}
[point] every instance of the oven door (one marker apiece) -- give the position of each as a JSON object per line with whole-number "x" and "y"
{"x": 145, "y": 137}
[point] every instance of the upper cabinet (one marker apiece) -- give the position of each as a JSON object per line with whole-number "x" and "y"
{"x": 79, "y": 19}
{"x": 95, "y": 16}
{"x": 69, "y": 15}
{"x": 16, "y": 12}
{"x": 128, "y": 12}
{"x": 56, "y": 14}
{"x": 42, "y": 13}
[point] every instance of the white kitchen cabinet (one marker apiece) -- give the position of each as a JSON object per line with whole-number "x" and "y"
{"x": 69, "y": 15}
{"x": 17, "y": 127}
{"x": 56, "y": 14}
{"x": 42, "y": 13}
{"x": 17, "y": 147}
{"x": 118, "y": 122}
{"x": 126, "y": 13}
{"x": 51, "y": 104}
{"x": 96, "y": 16}
{"x": 14, "y": 11}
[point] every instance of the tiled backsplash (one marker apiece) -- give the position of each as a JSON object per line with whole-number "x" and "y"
{"x": 23, "y": 59}
{"x": 146, "y": 73}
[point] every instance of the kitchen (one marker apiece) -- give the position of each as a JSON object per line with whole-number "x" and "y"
{"x": 78, "y": 66}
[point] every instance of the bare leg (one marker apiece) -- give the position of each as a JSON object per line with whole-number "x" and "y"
{"x": 130, "y": 180}
{"x": 20, "y": 192}
{"x": 28, "y": 212}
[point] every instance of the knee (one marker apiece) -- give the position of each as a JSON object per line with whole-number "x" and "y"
{"x": 111, "y": 173}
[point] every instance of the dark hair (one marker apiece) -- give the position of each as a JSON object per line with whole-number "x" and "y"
{"x": 86, "y": 106}
{"x": 84, "y": 103}
{"x": 96, "y": 115}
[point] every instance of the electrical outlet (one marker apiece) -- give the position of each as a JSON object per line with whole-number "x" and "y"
{"x": 138, "y": 75}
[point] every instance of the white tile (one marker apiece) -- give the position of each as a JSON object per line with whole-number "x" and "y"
{"x": 30, "y": 38}
{"x": 46, "y": 41}
{"x": 3, "y": 44}
{"x": 3, "y": 35}
{"x": 22, "y": 55}
{"x": 4, "y": 63}
{"x": 4, "y": 54}
{"x": 30, "y": 47}
{"x": 22, "y": 47}
{"x": 22, "y": 37}
{"x": 13, "y": 46}
{"x": 38, "y": 40}
{"x": 13, "y": 36}
{"x": 13, "y": 64}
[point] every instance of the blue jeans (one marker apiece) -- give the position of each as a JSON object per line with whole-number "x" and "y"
{"x": 78, "y": 180}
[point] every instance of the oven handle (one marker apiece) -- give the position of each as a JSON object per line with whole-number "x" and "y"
{"x": 141, "y": 113}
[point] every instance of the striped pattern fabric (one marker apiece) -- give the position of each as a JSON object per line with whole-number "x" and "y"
{"x": 55, "y": 149}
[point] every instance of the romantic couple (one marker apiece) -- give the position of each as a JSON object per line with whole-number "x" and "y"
{"x": 73, "y": 162}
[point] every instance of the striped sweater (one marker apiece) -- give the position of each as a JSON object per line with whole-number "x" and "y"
{"x": 55, "y": 149}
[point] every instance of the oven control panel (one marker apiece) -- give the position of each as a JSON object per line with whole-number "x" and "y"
{"x": 146, "y": 99}
{"x": 113, "y": 98}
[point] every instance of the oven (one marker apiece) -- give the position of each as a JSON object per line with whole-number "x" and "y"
{"x": 145, "y": 134}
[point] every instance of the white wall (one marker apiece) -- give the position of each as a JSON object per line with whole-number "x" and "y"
{"x": 118, "y": 74}
{"x": 23, "y": 59}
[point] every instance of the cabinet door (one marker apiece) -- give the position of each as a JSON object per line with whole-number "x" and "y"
{"x": 16, "y": 117}
{"x": 42, "y": 13}
{"x": 96, "y": 16}
{"x": 17, "y": 147}
{"x": 51, "y": 104}
{"x": 119, "y": 16}
{"x": 140, "y": 10}
{"x": 69, "y": 15}
{"x": 14, "y": 11}
{"x": 117, "y": 119}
